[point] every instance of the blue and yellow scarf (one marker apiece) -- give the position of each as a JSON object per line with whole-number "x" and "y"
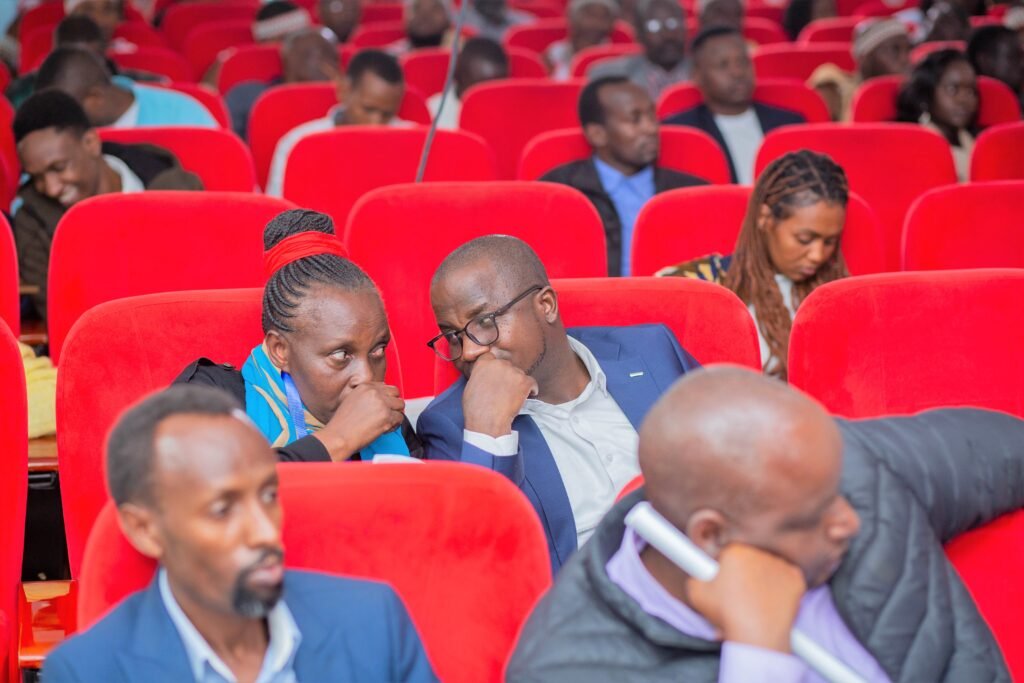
{"x": 282, "y": 421}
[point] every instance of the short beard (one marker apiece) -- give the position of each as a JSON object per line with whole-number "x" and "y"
{"x": 249, "y": 603}
{"x": 540, "y": 359}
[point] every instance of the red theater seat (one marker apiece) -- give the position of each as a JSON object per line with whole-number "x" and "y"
{"x": 537, "y": 36}
{"x": 166, "y": 241}
{"x": 323, "y": 172}
{"x": 683, "y": 149}
{"x": 205, "y": 42}
{"x": 787, "y": 60}
{"x": 382, "y": 12}
{"x": 997, "y": 153}
{"x": 888, "y": 164}
{"x": 140, "y": 33}
{"x": 924, "y": 49}
{"x": 692, "y": 222}
{"x": 421, "y": 224}
{"x": 9, "y": 309}
{"x": 10, "y": 166}
{"x": 284, "y": 107}
{"x": 763, "y": 31}
{"x": 899, "y": 343}
{"x": 218, "y": 157}
{"x": 875, "y": 100}
{"x": 425, "y": 69}
{"x": 508, "y": 114}
{"x": 156, "y": 336}
{"x": 966, "y": 226}
{"x": 829, "y": 30}
{"x": 182, "y": 17}
{"x": 781, "y": 92}
{"x": 460, "y": 545}
{"x": 377, "y": 35}
{"x": 708, "y": 321}
{"x": 13, "y": 491}
{"x": 256, "y": 62}
{"x": 589, "y": 56}
{"x": 155, "y": 60}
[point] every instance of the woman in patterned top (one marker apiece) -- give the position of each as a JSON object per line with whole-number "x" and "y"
{"x": 788, "y": 245}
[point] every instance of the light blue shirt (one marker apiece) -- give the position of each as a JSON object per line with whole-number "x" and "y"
{"x": 629, "y": 193}
{"x": 161, "y": 107}
{"x": 207, "y": 667}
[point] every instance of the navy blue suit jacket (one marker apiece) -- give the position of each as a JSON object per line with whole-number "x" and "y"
{"x": 640, "y": 363}
{"x": 702, "y": 118}
{"x": 352, "y": 630}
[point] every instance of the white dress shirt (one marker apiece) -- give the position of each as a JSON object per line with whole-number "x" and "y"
{"x": 592, "y": 441}
{"x": 449, "y": 119}
{"x": 743, "y": 136}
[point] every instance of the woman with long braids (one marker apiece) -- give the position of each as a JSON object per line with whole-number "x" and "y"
{"x": 315, "y": 385}
{"x": 788, "y": 246}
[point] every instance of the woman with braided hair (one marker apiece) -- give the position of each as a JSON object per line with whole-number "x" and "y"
{"x": 315, "y": 385}
{"x": 788, "y": 245}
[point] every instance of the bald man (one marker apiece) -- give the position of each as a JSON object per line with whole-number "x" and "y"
{"x": 554, "y": 410}
{"x": 836, "y": 527}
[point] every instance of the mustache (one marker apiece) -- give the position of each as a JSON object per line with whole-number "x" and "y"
{"x": 265, "y": 557}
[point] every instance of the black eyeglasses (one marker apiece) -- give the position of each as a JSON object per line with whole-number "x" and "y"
{"x": 482, "y": 330}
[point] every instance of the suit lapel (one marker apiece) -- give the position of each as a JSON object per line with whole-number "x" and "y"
{"x": 708, "y": 123}
{"x": 156, "y": 653}
{"x": 629, "y": 379}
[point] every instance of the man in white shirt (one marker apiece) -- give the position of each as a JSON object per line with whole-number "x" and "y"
{"x": 369, "y": 95}
{"x": 480, "y": 60}
{"x": 554, "y": 410}
{"x": 724, "y": 73}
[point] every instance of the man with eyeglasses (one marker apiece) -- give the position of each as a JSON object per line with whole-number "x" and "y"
{"x": 554, "y": 410}
{"x": 661, "y": 30}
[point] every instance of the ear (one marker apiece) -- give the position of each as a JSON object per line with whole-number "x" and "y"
{"x": 764, "y": 217}
{"x": 91, "y": 143}
{"x": 548, "y": 301}
{"x": 140, "y": 528}
{"x": 709, "y": 530}
{"x": 596, "y": 134}
{"x": 278, "y": 349}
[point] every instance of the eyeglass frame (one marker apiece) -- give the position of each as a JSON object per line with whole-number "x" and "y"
{"x": 494, "y": 315}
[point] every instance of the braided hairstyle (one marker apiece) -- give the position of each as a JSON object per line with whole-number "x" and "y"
{"x": 793, "y": 181}
{"x": 286, "y": 288}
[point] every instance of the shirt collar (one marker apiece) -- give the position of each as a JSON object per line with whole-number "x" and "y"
{"x": 283, "y": 639}
{"x": 611, "y": 178}
{"x": 598, "y": 382}
{"x": 130, "y": 182}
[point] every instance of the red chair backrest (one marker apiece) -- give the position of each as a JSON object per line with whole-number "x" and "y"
{"x": 206, "y": 97}
{"x": 34, "y": 45}
{"x": 256, "y": 62}
{"x": 875, "y": 100}
{"x": 777, "y": 92}
{"x": 966, "y": 226}
{"x": 284, "y": 107}
{"x": 377, "y": 35}
{"x": 13, "y": 491}
{"x": 461, "y": 546}
{"x": 165, "y": 241}
{"x": 830, "y": 30}
{"x": 156, "y": 336}
{"x": 10, "y": 165}
{"x": 10, "y": 312}
{"x": 538, "y": 35}
{"x": 708, "y": 321}
{"x": 489, "y": 110}
{"x": 381, "y": 12}
{"x": 140, "y": 34}
{"x": 924, "y": 49}
{"x": 557, "y": 221}
{"x": 182, "y": 17}
{"x": 888, "y": 164}
{"x": 683, "y": 149}
{"x": 425, "y": 69}
{"x": 799, "y": 61}
{"x": 692, "y": 222}
{"x": 155, "y": 60}
{"x": 217, "y": 156}
{"x": 589, "y": 56}
{"x": 204, "y": 43}
{"x": 898, "y": 343}
{"x": 763, "y": 31}
{"x": 997, "y": 153}
{"x": 373, "y": 157}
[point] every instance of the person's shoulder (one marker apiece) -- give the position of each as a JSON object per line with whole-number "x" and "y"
{"x": 777, "y": 116}
{"x": 448, "y": 401}
{"x": 686, "y": 117}
{"x": 302, "y": 130}
{"x": 626, "y": 335}
{"x": 711, "y": 268}
{"x": 221, "y": 375}
{"x": 670, "y": 179}
{"x": 87, "y": 652}
{"x": 567, "y": 174}
{"x": 319, "y": 593}
{"x": 621, "y": 66}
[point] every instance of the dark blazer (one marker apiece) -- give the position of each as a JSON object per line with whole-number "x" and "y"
{"x": 583, "y": 176}
{"x": 352, "y": 630}
{"x": 640, "y": 363}
{"x": 702, "y": 118}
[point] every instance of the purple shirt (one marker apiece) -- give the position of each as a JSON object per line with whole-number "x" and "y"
{"x": 817, "y": 617}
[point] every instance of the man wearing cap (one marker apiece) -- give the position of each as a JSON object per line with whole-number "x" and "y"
{"x": 881, "y": 47}
{"x": 590, "y": 24}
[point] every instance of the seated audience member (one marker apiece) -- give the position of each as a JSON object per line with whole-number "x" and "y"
{"x": 369, "y": 95}
{"x": 428, "y": 23}
{"x": 997, "y": 52}
{"x": 881, "y": 47}
{"x": 788, "y": 246}
{"x": 720, "y": 13}
{"x": 480, "y": 60}
{"x": 621, "y": 127}
{"x": 1014, "y": 20}
{"x": 945, "y": 20}
{"x": 106, "y": 13}
{"x": 66, "y": 162}
{"x": 590, "y": 24}
{"x": 278, "y": 19}
{"x": 116, "y": 101}
{"x": 942, "y": 94}
{"x": 724, "y": 73}
{"x": 340, "y": 18}
{"x": 493, "y": 18}
{"x": 196, "y": 490}
{"x": 555, "y": 411}
{"x": 323, "y": 356}
{"x": 661, "y": 30}
{"x": 832, "y": 526}
{"x": 799, "y": 13}
{"x": 306, "y": 57}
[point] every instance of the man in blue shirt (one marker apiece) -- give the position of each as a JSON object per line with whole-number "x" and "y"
{"x": 619, "y": 122}
{"x": 116, "y": 101}
{"x": 196, "y": 488}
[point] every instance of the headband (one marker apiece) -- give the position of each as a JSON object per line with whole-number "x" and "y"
{"x": 295, "y": 247}
{"x": 872, "y": 33}
{"x": 281, "y": 26}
